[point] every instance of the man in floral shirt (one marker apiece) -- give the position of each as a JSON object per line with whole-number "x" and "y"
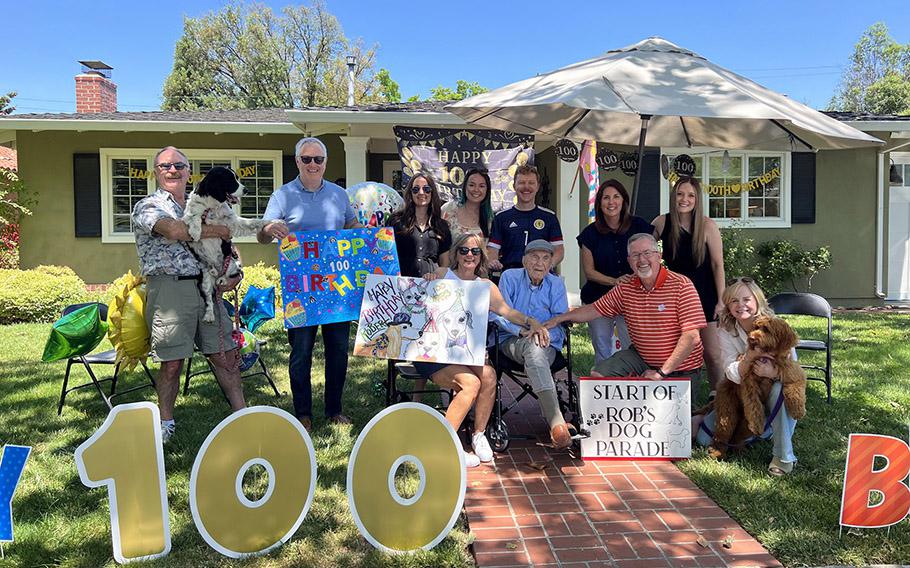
{"x": 174, "y": 306}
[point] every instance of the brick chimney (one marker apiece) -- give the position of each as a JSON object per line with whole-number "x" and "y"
{"x": 95, "y": 92}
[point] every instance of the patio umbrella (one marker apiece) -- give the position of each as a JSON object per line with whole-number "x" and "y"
{"x": 658, "y": 92}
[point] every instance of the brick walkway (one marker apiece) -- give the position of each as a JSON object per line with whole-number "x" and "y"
{"x": 539, "y": 507}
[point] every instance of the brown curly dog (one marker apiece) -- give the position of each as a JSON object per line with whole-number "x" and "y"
{"x": 740, "y": 408}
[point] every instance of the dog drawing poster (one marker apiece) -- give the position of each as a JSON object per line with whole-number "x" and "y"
{"x": 441, "y": 321}
{"x": 323, "y": 273}
{"x": 635, "y": 418}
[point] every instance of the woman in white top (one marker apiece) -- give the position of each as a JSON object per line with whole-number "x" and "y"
{"x": 743, "y": 303}
{"x": 473, "y": 385}
{"x": 471, "y": 211}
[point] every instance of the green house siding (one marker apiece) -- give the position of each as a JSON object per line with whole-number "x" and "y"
{"x": 46, "y": 166}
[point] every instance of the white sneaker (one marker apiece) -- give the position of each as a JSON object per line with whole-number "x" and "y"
{"x": 482, "y": 447}
{"x": 471, "y": 460}
{"x": 167, "y": 430}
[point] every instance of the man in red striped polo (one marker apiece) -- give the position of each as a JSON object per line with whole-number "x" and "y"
{"x": 662, "y": 312}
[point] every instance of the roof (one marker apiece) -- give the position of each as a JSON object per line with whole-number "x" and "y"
{"x": 8, "y": 159}
{"x": 865, "y": 117}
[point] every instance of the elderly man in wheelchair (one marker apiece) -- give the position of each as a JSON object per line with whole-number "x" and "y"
{"x": 533, "y": 290}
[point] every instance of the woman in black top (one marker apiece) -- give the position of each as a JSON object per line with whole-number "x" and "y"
{"x": 421, "y": 235}
{"x": 604, "y": 258}
{"x": 692, "y": 246}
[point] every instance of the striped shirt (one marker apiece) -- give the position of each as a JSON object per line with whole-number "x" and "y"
{"x": 657, "y": 318}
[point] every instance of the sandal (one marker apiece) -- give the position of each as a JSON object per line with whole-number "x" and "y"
{"x": 779, "y": 468}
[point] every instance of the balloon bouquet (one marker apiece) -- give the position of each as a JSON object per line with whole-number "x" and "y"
{"x": 374, "y": 202}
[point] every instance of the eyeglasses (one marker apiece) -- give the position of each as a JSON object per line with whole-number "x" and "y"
{"x": 647, "y": 255}
{"x": 308, "y": 159}
{"x": 743, "y": 279}
{"x": 465, "y": 250}
{"x": 165, "y": 166}
{"x": 421, "y": 188}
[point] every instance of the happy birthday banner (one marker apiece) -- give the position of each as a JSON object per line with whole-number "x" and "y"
{"x": 447, "y": 154}
{"x": 633, "y": 418}
{"x": 323, "y": 273}
{"x": 139, "y": 173}
{"x": 733, "y": 188}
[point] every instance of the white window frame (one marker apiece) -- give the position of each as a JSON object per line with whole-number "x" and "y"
{"x": 107, "y": 191}
{"x": 782, "y": 222}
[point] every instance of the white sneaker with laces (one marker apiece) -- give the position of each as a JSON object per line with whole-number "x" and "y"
{"x": 482, "y": 447}
{"x": 471, "y": 460}
{"x": 167, "y": 430}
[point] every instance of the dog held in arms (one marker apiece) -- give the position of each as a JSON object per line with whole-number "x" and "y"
{"x": 211, "y": 203}
{"x": 740, "y": 408}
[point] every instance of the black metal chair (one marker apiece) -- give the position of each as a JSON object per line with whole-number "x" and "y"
{"x": 209, "y": 368}
{"x": 566, "y": 389}
{"x": 405, "y": 370}
{"x": 795, "y": 303}
{"x": 104, "y": 358}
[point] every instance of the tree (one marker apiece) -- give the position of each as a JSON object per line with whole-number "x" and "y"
{"x": 5, "y": 100}
{"x": 388, "y": 87}
{"x": 246, "y": 56}
{"x": 877, "y": 78}
{"x": 463, "y": 90}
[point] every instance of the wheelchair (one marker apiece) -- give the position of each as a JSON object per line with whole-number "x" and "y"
{"x": 566, "y": 390}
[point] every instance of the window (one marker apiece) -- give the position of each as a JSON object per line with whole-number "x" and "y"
{"x": 750, "y": 187}
{"x": 126, "y": 177}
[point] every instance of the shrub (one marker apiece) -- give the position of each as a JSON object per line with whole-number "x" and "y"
{"x": 785, "y": 264}
{"x": 739, "y": 252}
{"x": 9, "y": 246}
{"x": 38, "y": 295}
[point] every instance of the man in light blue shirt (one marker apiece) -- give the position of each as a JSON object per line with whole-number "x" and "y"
{"x": 310, "y": 203}
{"x": 533, "y": 290}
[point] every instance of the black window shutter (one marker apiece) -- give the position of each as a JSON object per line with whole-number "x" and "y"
{"x": 87, "y": 194}
{"x": 288, "y": 168}
{"x": 802, "y": 187}
{"x": 648, "y": 203}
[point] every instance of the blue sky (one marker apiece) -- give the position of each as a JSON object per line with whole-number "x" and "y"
{"x": 797, "y": 47}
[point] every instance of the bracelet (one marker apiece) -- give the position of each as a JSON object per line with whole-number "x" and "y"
{"x": 660, "y": 372}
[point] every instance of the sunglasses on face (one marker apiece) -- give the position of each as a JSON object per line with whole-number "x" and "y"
{"x": 421, "y": 189}
{"x": 308, "y": 159}
{"x": 176, "y": 165}
{"x": 465, "y": 250}
{"x": 743, "y": 279}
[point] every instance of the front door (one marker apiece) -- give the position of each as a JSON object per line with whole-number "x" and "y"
{"x": 899, "y": 230}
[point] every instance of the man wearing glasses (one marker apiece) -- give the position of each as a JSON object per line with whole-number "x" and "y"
{"x": 534, "y": 291}
{"x": 310, "y": 203}
{"x": 174, "y": 304}
{"x": 663, "y": 313}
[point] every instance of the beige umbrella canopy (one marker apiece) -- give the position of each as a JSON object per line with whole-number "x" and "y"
{"x": 689, "y": 100}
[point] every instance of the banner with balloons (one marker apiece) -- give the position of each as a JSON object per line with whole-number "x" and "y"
{"x": 323, "y": 273}
{"x": 374, "y": 203}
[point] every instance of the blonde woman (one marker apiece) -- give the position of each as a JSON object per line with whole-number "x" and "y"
{"x": 692, "y": 247}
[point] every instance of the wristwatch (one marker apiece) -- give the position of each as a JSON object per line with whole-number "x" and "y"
{"x": 660, "y": 372}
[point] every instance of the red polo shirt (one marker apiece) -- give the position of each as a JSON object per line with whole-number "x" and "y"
{"x": 657, "y": 318}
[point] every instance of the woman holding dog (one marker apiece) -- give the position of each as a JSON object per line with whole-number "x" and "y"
{"x": 421, "y": 235}
{"x": 692, "y": 247}
{"x": 743, "y": 303}
{"x": 473, "y": 385}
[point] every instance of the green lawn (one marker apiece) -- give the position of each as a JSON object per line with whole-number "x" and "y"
{"x": 58, "y": 521}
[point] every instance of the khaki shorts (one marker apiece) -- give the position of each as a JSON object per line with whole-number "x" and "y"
{"x": 173, "y": 313}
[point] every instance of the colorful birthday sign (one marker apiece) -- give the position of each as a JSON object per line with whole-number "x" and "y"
{"x": 442, "y": 321}
{"x": 634, "y": 418}
{"x": 323, "y": 273}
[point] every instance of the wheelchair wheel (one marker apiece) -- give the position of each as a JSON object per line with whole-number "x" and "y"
{"x": 498, "y": 435}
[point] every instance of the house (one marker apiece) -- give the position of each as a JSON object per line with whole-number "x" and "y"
{"x": 89, "y": 169}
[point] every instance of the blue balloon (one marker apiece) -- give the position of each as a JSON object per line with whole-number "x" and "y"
{"x": 11, "y": 465}
{"x": 258, "y": 307}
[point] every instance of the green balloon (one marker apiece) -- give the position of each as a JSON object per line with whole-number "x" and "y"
{"x": 76, "y": 333}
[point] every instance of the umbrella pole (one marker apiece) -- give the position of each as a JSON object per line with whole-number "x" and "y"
{"x": 641, "y": 153}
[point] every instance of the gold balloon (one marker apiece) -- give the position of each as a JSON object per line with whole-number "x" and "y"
{"x": 128, "y": 331}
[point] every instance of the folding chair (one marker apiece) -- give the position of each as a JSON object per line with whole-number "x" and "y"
{"x": 209, "y": 368}
{"x": 794, "y": 303}
{"x": 104, "y": 358}
{"x": 498, "y": 432}
{"x": 405, "y": 370}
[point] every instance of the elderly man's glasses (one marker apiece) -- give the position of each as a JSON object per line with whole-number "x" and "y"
{"x": 308, "y": 159}
{"x": 647, "y": 255}
{"x": 165, "y": 166}
{"x": 465, "y": 250}
{"x": 421, "y": 189}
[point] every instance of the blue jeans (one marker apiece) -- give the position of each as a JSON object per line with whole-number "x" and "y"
{"x": 780, "y": 430}
{"x": 335, "y": 341}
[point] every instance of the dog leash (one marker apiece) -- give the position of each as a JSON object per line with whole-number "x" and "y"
{"x": 751, "y": 439}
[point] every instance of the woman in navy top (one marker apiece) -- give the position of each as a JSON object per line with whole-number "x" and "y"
{"x": 604, "y": 259}
{"x": 421, "y": 235}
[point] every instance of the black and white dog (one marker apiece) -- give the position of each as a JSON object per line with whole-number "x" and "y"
{"x": 211, "y": 204}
